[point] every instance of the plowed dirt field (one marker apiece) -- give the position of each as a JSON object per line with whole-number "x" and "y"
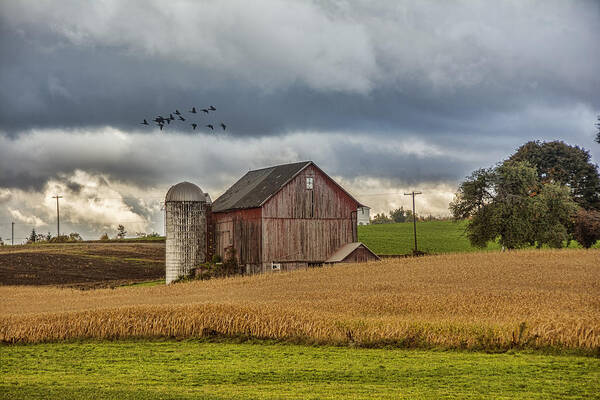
{"x": 82, "y": 265}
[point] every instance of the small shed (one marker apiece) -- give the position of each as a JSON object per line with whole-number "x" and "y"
{"x": 352, "y": 253}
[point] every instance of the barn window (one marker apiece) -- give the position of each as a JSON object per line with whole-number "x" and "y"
{"x": 309, "y": 182}
{"x": 276, "y": 266}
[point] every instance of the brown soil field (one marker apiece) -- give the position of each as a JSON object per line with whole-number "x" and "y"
{"x": 81, "y": 265}
{"x": 493, "y": 301}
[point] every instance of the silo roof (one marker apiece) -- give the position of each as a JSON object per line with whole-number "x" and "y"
{"x": 186, "y": 191}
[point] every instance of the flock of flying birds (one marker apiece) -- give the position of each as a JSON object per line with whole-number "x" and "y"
{"x": 161, "y": 121}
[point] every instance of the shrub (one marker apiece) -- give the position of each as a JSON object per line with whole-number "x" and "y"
{"x": 587, "y": 227}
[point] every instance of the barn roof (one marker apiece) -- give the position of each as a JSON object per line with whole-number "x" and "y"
{"x": 257, "y": 186}
{"x": 254, "y": 188}
{"x": 344, "y": 251}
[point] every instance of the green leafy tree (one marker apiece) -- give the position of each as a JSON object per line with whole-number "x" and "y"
{"x": 381, "y": 219}
{"x": 104, "y": 236}
{"x": 473, "y": 194}
{"x": 553, "y": 215}
{"x": 557, "y": 162}
{"x": 398, "y": 215}
{"x": 514, "y": 185}
{"x": 510, "y": 204}
{"x": 410, "y": 217}
{"x": 32, "y": 236}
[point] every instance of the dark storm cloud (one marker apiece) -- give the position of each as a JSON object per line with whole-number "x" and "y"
{"x": 374, "y": 67}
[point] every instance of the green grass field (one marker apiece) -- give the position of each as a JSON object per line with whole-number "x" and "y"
{"x": 433, "y": 237}
{"x": 196, "y": 369}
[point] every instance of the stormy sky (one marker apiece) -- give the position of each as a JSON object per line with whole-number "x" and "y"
{"x": 385, "y": 96}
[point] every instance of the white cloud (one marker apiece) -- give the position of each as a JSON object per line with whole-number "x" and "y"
{"x": 27, "y": 219}
{"x": 92, "y": 200}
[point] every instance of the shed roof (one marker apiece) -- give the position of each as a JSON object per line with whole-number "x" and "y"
{"x": 254, "y": 188}
{"x": 344, "y": 251}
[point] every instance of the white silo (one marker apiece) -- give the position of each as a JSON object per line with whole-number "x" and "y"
{"x": 186, "y": 209}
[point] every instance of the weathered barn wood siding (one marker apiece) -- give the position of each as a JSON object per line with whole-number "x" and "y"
{"x": 242, "y": 230}
{"x": 301, "y": 225}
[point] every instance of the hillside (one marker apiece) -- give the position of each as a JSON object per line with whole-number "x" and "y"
{"x": 486, "y": 300}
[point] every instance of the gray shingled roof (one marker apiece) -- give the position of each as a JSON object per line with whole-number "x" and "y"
{"x": 257, "y": 186}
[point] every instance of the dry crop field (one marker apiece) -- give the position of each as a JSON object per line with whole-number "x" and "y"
{"x": 492, "y": 301}
{"x": 81, "y": 265}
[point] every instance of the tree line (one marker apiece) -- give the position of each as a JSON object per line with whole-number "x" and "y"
{"x": 401, "y": 215}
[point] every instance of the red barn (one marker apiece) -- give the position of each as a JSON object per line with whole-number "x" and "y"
{"x": 285, "y": 217}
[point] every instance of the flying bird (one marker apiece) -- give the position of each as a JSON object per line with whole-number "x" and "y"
{"x": 177, "y": 112}
{"x": 223, "y": 126}
{"x": 181, "y": 118}
{"x": 212, "y": 108}
{"x": 205, "y": 110}
{"x": 145, "y": 122}
{"x": 171, "y": 117}
{"x": 159, "y": 120}
{"x": 193, "y": 110}
{"x": 194, "y": 126}
{"x": 210, "y": 126}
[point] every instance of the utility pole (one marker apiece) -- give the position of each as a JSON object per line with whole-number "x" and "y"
{"x": 413, "y": 194}
{"x": 12, "y": 234}
{"x": 57, "y": 215}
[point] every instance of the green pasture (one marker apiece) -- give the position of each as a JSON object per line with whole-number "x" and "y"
{"x": 209, "y": 370}
{"x": 433, "y": 237}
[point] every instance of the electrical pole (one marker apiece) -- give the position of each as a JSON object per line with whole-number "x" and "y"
{"x": 57, "y": 215}
{"x": 413, "y": 194}
{"x": 12, "y": 234}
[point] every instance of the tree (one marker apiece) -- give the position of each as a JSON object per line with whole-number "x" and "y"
{"x": 557, "y": 162}
{"x": 104, "y": 236}
{"x": 32, "y": 236}
{"x": 398, "y": 215}
{"x": 75, "y": 237}
{"x": 587, "y": 227}
{"x": 553, "y": 215}
{"x": 381, "y": 219}
{"x": 1, "y": 241}
{"x": 510, "y": 204}
{"x": 473, "y": 194}
{"x": 121, "y": 232}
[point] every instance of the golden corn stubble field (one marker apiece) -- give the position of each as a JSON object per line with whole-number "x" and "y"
{"x": 492, "y": 300}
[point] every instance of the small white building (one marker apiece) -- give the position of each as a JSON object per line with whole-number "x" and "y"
{"x": 363, "y": 215}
